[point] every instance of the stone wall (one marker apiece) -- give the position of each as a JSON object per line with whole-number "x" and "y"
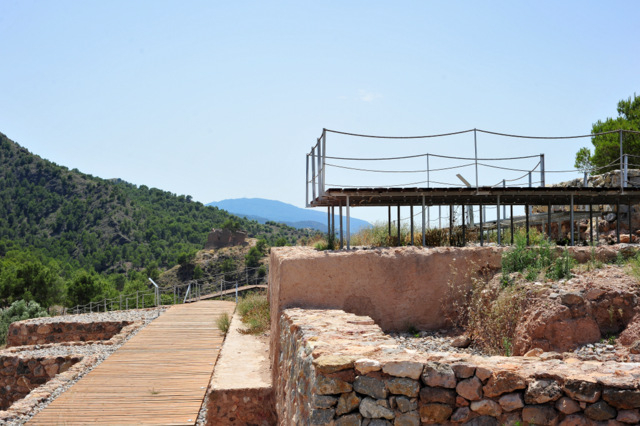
{"x": 339, "y": 368}
{"x": 30, "y": 332}
{"x": 20, "y": 375}
{"x": 219, "y": 238}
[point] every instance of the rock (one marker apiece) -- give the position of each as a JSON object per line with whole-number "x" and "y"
{"x": 511, "y": 419}
{"x": 462, "y": 341}
{"x": 483, "y": 373}
{"x": 511, "y": 401}
{"x": 378, "y": 422}
{"x": 435, "y": 413}
{"x": 405, "y": 405}
{"x": 629, "y": 416}
{"x": 370, "y": 386}
{"x": 486, "y": 407}
{"x": 534, "y": 352}
{"x": 635, "y": 347}
{"x": 327, "y": 364}
{"x": 349, "y": 420}
{"x": 576, "y": 420}
{"x": 463, "y": 371}
{"x": 322, "y": 416}
{"x": 600, "y": 411}
{"x": 370, "y": 408}
{"x": 622, "y": 398}
{"x": 411, "y": 418}
{"x": 461, "y": 402}
{"x": 539, "y": 415}
{"x": 440, "y": 375}
{"x": 567, "y": 405}
{"x": 483, "y": 421}
{"x": 444, "y": 396}
{"x": 542, "y": 391}
{"x": 461, "y": 415}
{"x": 324, "y": 401}
{"x": 470, "y": 389}
{"x": 571, "y": 299}
{"x": 329, "y": 386}
{"x": 364, "y": 366}
{"x": 503, "y": 382}
{"x": 347, "y": 403}
{"x": 550, "y": 355}
{"x": 409, "y": 369}
{"x": 581, "y": 390}
{"x": 403, "y": 386}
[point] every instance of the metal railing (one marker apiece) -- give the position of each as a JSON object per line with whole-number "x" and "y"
{"x": 195, "y": 290}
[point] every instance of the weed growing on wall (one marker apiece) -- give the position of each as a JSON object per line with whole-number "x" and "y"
{"x": 254, "y": 311}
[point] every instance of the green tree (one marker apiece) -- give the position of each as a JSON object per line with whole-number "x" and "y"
{"x": 83, "y": 288}
{"x": 606, "y": 156}
{"x": 18, "y": 311}
{"x": 252, "y": 259}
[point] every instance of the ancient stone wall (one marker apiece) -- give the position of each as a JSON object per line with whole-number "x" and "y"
{"x": 30, "y": 332}
{"x": 339, "y": 368}
{"x": 19, "y": 375}
{"x": 219, "y": 238}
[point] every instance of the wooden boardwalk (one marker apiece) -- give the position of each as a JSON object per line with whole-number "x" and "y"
{"x": 158, "y": 377}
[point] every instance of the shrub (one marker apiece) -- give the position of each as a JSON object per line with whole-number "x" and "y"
{"x": 254, "y": 311}
{"x": 224, "y": 322}
{"x": 18, "y": 311}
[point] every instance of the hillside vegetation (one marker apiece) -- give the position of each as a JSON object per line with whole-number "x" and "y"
{"x": 63, "y": 232}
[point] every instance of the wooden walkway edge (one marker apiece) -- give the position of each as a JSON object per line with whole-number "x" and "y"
{"x": 159, "y": 376}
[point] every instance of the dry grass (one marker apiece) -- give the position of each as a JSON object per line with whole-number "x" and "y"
{"x": 254, "y": 311}
{"x": 224, "y": 322}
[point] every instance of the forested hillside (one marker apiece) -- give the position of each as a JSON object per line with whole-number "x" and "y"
{"x": 68, "y": 222}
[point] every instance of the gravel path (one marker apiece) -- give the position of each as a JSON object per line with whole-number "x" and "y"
{"x": 101, "y": 351}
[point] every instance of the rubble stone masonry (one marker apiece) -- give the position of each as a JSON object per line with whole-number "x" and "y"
{"x": 337, "y": 368}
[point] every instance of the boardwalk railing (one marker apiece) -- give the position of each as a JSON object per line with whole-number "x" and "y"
{"x": 195, "y": 290}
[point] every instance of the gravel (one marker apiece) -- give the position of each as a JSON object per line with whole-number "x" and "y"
{"x": 102, "y": 351}
{"x": 431, "y": 341}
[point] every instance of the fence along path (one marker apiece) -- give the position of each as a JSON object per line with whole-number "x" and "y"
{"x": 158, "y": 377}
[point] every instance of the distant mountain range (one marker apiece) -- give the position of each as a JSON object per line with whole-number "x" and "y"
{"x": 263, "y": 210}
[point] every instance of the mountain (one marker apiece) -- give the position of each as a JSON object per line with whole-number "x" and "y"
{"x": 264, "y": 211}
{"x": 104, "y": 225}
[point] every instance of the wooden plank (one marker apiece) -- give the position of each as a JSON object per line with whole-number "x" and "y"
{"x": 159, "y": 376}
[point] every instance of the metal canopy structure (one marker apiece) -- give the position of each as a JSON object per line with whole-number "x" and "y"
{"x": 361, "y": 197}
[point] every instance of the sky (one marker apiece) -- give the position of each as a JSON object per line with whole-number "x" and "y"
{"x": 224, "y": 99}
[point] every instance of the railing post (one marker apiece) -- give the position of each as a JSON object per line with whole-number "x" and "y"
{"x": 626, "y": 169}
{"x": 324, "y": 158}
{"x": 423, "y": 224}
{"x": 137, "y": 299}
{"x": 90, "y": 306}
{"x": 498, "y": 219}
{"x": 621, "y": 177}
{"x": 306, "y": 183}
{"x": 319, "y": 166}
{"x": 313, "y": 172}
{"x": 542, "y": 182}
{"x": 572, "y": 224}
{"x": 236, "y": 291}
{"x": 475, "y": 146}
{"x": 348, "y": 224}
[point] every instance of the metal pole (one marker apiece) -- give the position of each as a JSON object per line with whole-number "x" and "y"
{"x": 526, "y": 218}
{"x": 236, "y": 291}
{"x": 333, "y": 224}
{"x": 572, "y": 224}
{"x": 389, "y": 222}
{"x": 590, "y": 224}
{"x": 464, "y": 234}
{"x": 626, "y": 169}
{"x": 398, "y": 243}
{"x": 120, "y": 305}
{"x": 137, "y": 300}
{"x": 481, "y": 226}
{"x": 498, "y": 219}
{"x": 341, "y": 235}
{"x": 428, "y": 178}
{"x": 328, "y": 225}
{"x": 451, "y": 224}
{"x": 348, "y": 225}
{"x": 511, "y": 218}
{"x": 428, "y": 216}
{"x": 306, "y": 184}
{"x": 324, "y": 158}
{"x": 319, "y": 166}
{"x": 440, "y": 217}
{"x": 629, "y": 214}
{"x": 542, "y": 183}
{"x": 618, "y": 221}
{"x": 549, "y": 222}
{"x": 423, "y": 224}
{"x": 174, "y": 295}
{"x": 475, "y": 146}
{"x": 504, "y": 207}
{"x": 411, "y": 221}
{"x": 313, "y": 172}
{"x": 621, "y": 177}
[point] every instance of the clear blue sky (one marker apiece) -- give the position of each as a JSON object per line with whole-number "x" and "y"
{"x": 224, "y": 99}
